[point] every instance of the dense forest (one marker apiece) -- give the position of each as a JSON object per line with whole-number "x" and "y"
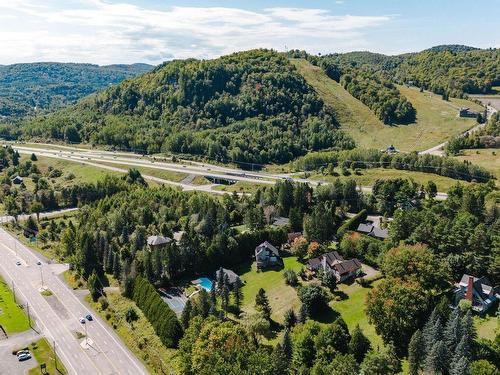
{"x": 30, "y": 89}
{"x": 250, "y": 106}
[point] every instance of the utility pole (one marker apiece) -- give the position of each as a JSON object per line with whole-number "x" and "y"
{"x": 55, "y": 354}
{"x": 86, "y": 335}
{"x": 29, "y": 317}
{"x": 14, "y": 291}
{"x": 41, "y": 275}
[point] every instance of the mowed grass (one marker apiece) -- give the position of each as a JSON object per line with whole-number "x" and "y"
{"x": 369, "y": 176}
{"x": 488, "y": 158}
{"x": 12, "y": 318}
{"x": 138, "y": 336}
{"x": 352, "y": 310}
{"x": 240, "y": 187}
{"x": 154, "y": 172}
{"x": 281, "y": 296}
{"x": 43, "y": 353}
{"x": 487, "y": 327}
{"x": 436, "y": 122}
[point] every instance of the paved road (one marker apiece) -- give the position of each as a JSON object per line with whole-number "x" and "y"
{"x": 97, "y": 158}
{"x": 7, "y": 218}
{"x": 57, "y": 316}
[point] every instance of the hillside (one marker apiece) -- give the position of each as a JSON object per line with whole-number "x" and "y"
{"x": 436, "y": 119}
{"x": 250, "y": 107}
{"x": 28, "y": 89}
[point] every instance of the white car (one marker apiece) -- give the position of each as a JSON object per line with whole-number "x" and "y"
{"x": 24, "y": 357}
{"x": 82, "y": 320}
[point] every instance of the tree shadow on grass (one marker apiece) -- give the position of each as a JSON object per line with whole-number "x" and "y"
{"x": 340, "y": 295}
{"x": 326, "y": 315}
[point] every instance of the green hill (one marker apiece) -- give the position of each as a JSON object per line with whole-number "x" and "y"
{"x": 28, "y": 89}
{"x": 251, "y": 106}
{"x": 436, "y": 119}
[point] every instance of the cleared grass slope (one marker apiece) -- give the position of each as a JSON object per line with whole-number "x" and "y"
{"x": 436, "y": 122}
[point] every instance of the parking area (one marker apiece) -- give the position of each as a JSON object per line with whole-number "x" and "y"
{"x": 174, "y": 298}
{"x": 9, "y": 364}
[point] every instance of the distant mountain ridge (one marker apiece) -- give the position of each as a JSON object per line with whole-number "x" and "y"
{"x": 33, "y": 88}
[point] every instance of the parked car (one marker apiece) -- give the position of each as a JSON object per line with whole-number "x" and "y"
{"x": 89, "y": 317}
{"x": 38, "y": 263}
{"x": 18, "y": 263}
{"x": 24, "y": 357}
{"x": 82, "y": 320}
{"x": 23, "y": 351}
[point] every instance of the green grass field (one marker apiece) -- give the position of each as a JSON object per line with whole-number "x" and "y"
{"x": 487, "y": 327}
{"x": 43, "y": 353}
{"x": 436, "y": 120}
{"x": 240, "y": 187}
{"x": 352, "y": 310}
{"x": 488, "y": 158}
{"x": 139, "y": 336}
{"x": 281, "y": 296}
{"x": 12, "y": 317}
{"x": 160, "y": 173}
{"x": 369, "y": 176}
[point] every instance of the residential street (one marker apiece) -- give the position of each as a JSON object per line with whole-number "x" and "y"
{"x": 57, "y": 316}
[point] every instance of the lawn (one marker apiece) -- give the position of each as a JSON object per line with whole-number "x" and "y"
{"x": 12, "y": 317}
{"x": 281, "y": 296}
{"x": 154, "y": 172}
{"x": 352, "y": 310}
{"x": 369, "y": 176}
{"x": 43, "y": 353}
{"x": 487, "y": 327}
{"x": 240, "y": 187}
{"x": 436, "y": 119}
{"x": 139, "y": 336}
{"x": 488, "y": 158}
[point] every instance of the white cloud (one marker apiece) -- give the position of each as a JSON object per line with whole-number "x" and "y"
{"x": 101, "y": 32}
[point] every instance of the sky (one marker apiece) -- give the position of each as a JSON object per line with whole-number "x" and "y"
{"x": 153, "y": 31}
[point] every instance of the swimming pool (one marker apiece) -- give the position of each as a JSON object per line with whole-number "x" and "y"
{"x": 205, "y": 283}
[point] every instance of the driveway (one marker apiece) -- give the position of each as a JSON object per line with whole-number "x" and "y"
{"x": 174, "y": 298}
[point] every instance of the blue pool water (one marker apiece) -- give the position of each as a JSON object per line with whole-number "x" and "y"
{"x": 205, "y": 283}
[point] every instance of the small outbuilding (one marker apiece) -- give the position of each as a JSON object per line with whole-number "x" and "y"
{"x": 17, "y": 180}
{"x": 155, "y": 242}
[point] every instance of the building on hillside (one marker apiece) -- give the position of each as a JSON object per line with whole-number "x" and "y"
{"x": 479, "y": 291}
{"x": 156, "y": 242}
{"x": 334, "y": 262}
{"x": 281, "y": 221}
{"x": 467, "y": 112}
{"x": 266, "y": 255}
{"x": 231, "y": 275}
{"x": 373, "y": 231}
{"x": 17, "y": 180}
{"x": 391, "y": 150}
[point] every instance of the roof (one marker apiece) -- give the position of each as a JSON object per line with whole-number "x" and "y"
{"x": 347, "y": 266}
{"x": 178, "y": 235}
{"x": 281, "y": 221}
{"x": 267, "y": 245}
{"x": 481, "y": 284}
{"x": 314, "y": 262}
{"x": 365, "y": 228}
{"x": 333, "y": 257}
{"x": 17, "y": 178}
{"x": 293, "y": 235}
{"x": 158, "y": 240}
{"x": 230, "y": 274}
{"x": 379, "y": 233}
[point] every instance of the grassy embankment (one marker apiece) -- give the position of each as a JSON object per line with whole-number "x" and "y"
{"x": 12, "y": 318}
{"x": 488, "y": 158}
{"x": 436, "y": 120}
{"x": 43, "y": 353}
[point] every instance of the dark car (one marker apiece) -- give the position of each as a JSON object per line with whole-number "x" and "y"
{"x": 89, "y": 317}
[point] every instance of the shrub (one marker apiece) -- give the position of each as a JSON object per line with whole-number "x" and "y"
{"x": 291, "y": 278}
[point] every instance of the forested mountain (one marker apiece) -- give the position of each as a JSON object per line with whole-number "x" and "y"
{"x": 28, "y": 89}
{"x": 250, "y": 106}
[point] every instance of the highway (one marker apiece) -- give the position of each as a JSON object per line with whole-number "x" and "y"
{"x": 106, "y": 159}
{"x": 57, "y": 316}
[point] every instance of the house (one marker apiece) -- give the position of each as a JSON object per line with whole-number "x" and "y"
{"x": 479, "y": 291}
{"x": 391, "y": 150}
{"x": 266, "y": 255}
{"x": 324, "y": 262}
{"x": 346, "y": 269}
{"x": 373, "y": 231}
{"x": 178, "y": 236}
{"x": 231, "y": 275}
{"x": 292, "y": 236}
{"x": 466, "y": 112}
{"x": 281, "y": 222}
{"x": 155, "y": 242}
{"x": 17, "y": 180}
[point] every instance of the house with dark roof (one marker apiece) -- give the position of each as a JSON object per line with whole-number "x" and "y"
{"x": 155, "y": 242}
{"x": 479, "y": 291}
{"x": 231, "y": 275}
{"x": 266, "y": 255}
{"x": 466, "y": 112}
{"x": 334, "y": 262}
{"x": 17, "y": 180}
{"x": 373, "y": 231}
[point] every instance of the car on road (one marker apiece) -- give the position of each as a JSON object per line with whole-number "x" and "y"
{"x": 23, "y": 351}
{"x": 38, "y": 263}
{"x": 82, "y": 320}
{"x": 18, "y": 263}
{"x": 24, "y": 357}
{"x": 89, "y": 317}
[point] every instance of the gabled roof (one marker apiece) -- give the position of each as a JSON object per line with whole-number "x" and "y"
{"x": 230, "y": 274}
{"x": 379, "y": 233}
{"x": 482, "y": 285}
{"x": 281, "y": 221}
{"x": 365, "y": 228}
{"x": 266, "y": 245}
{"x": 347, "y": 266}
{"x": 158, "y": 240}
{"x": 332, "y": 257}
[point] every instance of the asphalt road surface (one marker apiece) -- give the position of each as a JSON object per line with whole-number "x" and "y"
{"x": 58, "y": 316}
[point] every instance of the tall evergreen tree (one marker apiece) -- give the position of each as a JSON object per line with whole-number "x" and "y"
{"x": 359, "y": 344}
{"x": 303, "y": 313}
{"x": 186, "y": 314}
{"x": 433, "y": 361}
{"x": 286, "y": 344}
{"x": 290, "y": 319}
{"x": 237, "y": 293}
{"x": 460, "y": 367}
{"x": 416, "y": 352}
{"x": 262, "y": 304}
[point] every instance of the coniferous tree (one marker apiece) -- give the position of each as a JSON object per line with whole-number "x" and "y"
{"x": 286, "y": 344}
{"x": 460, "y": 367}
{"x": 416, "y": 352}
{"x": 359, "y": 344}
{"x": 290, "y": 319}
{"x": 237, "y": 293}
{"x": 303, "y": 313}
{"x": 433, "y": 361}
{"x": 262, "y": 304}
{"x": 116, "y": 266}
{"x": 452, "y": 333}
{"x": 225, "y": 293}
{"x": 186, "y": 314}
{"x": 94, "y": 287}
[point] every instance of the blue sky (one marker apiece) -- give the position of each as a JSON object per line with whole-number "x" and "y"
{"x": 152, "y": 31}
